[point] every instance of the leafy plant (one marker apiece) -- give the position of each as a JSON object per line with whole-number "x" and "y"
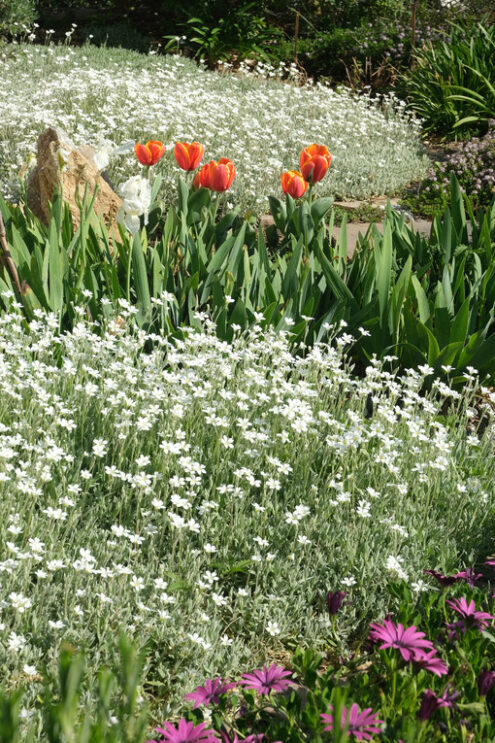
{"x": 118, "y": 718}
{"x": 416, "y": 677}
{"x": 14, "y": 14}
{"x": 424, "y": 300}
{"x": 220, "y": 33}
{"x": 451, "y": 85}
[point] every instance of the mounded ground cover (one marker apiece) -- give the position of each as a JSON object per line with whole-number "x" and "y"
{"x": 203, "y": 497}
{"x": 97, "y": 93}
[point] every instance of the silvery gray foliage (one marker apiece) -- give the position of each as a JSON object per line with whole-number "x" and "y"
{"x": 260, "y": 124}
{"x": 202, "y": 495}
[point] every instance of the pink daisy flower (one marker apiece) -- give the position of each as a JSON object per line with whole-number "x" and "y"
{"x": 186, "y": 732}
{"x": 407, "y": 640}
{"x": 362, "y": 725}
{"x": 471, "y": 617}
{"x": 210, "y": 693}
{"x": 267, "y": 680}
{"x": 430, "y": 662}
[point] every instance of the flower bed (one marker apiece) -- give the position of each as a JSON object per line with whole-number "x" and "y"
{"x": 115, "y": 94}
{"x": 205, "y": 496}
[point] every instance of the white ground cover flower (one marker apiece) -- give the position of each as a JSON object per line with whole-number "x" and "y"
{"x": 341, "y": 503}
{"x": 108, "y": 97}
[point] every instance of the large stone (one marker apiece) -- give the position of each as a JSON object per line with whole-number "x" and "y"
{"x": 61, "y": 165}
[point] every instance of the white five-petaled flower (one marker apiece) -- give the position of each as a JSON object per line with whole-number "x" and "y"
{"x": 273, "y": 628}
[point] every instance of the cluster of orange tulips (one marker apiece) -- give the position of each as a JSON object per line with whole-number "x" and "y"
{"x": 217, "y": 176}
{"x": 314, "y": 162}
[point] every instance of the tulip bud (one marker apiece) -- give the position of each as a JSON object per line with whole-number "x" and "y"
{"x": 293, "y": 183}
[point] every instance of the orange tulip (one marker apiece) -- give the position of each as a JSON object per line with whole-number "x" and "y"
{"x": 217, "y": 176}
{"x": 293, "y": 183}
{"x": 196, "y": 181}
{"x": 188, "y": 156}
{"x": 149, "y": 153}
{"x": 314, "y": 162}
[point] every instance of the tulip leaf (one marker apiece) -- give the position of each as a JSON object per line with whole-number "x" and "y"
{"x": 239, "y": 315}
{"x": 157, "y": 182}
{"x": 481, "y": 356}
{"x": 290, "y": 282}
{"x": 320, "y": 207}
{"x": 140, "y": 276}
{"x": 442, "y": 322}
{"x": 338, "y": 287}
{"x": 459, "y": 327}
{"x": 422, "y": 300}
{"x": 383, "y": 270}
{"x": 198, "y": 200}
{"x": 279, "y": 213}
{"x": 54, "y": 257}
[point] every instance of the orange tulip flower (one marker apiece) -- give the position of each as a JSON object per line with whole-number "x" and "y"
{"x": 188, "y": 156}
{"x": 149, "y": 153}
{"x": 314, "y": 162}
{"x": 217, "y": 176}
{"x": 293, "y": 183}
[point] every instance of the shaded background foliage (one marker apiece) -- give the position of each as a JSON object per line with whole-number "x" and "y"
{"x": 355, "y": 41}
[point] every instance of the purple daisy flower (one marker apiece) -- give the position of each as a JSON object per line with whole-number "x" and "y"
{"x": 267, "y": 680}
{"x": 254, "y": 738}
{"x": 470, "y": 616}
{"x": 362, "y": 725}
{"x": 448, "y": 697}
{"x": 444, "y": 580}
{"x": 469, "y": 576}
{"x": 210, "y": 693}
{"x": 186, "y": 732}
{"x": 430, "y": 702}
{"x": 228, "y": 737}
{"x": 407, "y": 640}
{"x": 430, "y": 662}
{"x": 429, "y": 705}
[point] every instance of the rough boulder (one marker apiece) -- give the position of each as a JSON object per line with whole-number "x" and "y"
{"x": 60, "y": 164}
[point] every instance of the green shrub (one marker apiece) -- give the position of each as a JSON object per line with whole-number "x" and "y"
{"x": 14, "y": 14}
{"x": 64, "y": 4}
{"x": 221, "y": 30}
{"x": 452, "y": 84}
